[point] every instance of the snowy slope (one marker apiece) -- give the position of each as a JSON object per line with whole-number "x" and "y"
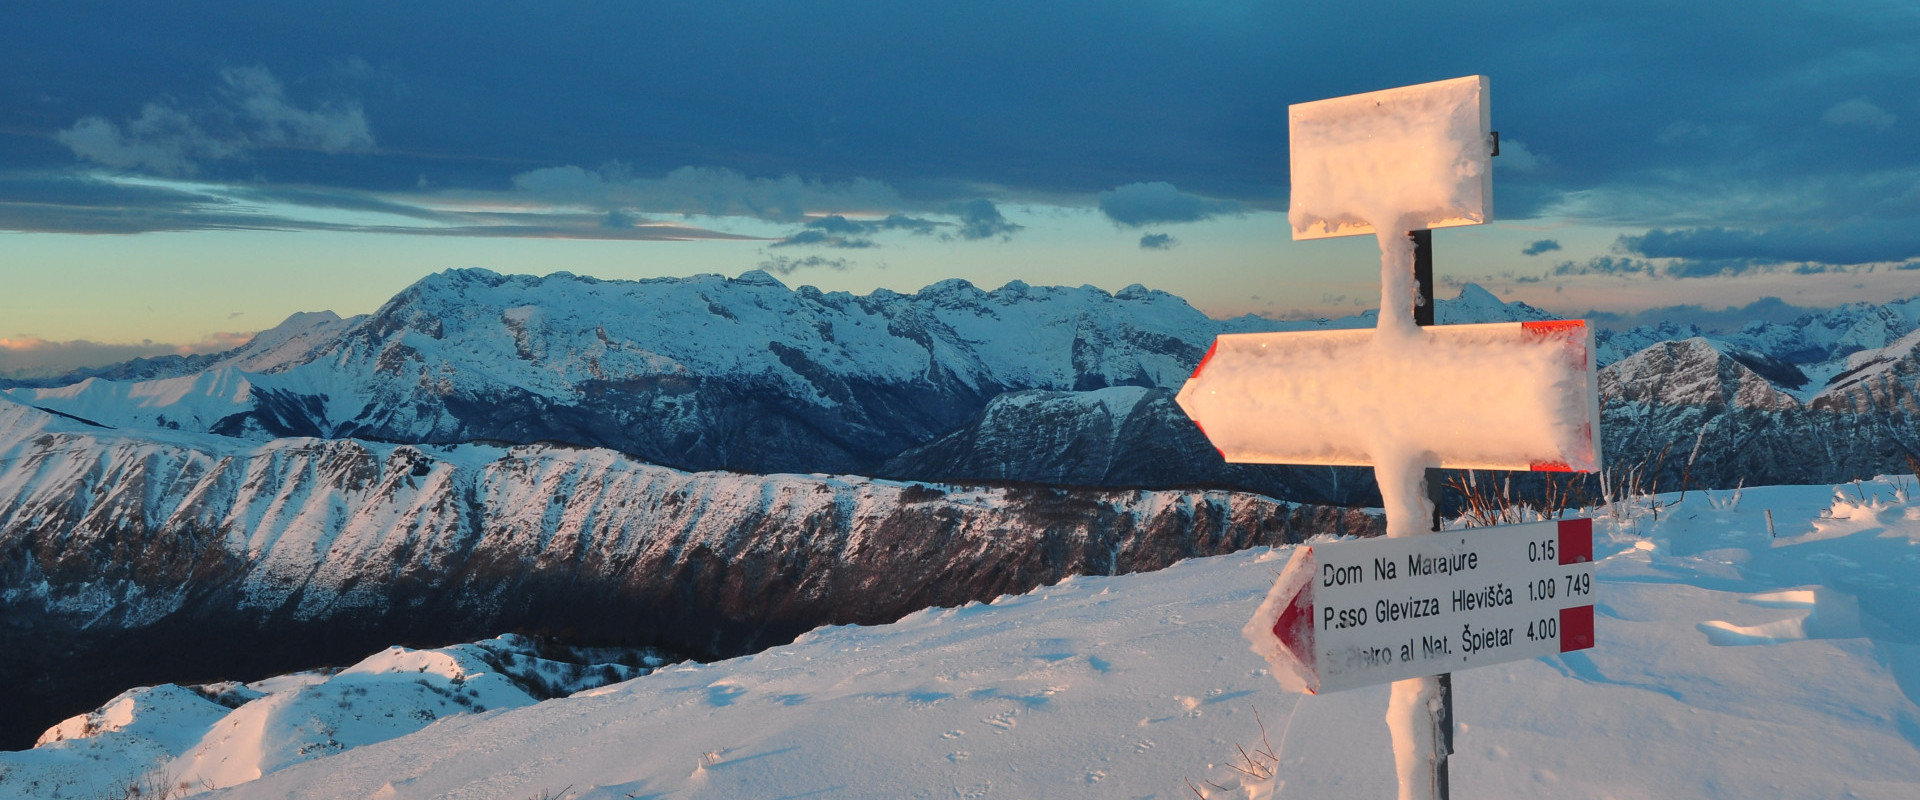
{"x": 1731, "y": 663}
{"x": 167, "y": 736}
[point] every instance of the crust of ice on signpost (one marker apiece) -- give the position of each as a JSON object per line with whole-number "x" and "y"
{"x": 1420, "y": 151}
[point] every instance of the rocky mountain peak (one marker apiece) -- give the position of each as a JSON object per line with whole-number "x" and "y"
{"x": 1692, "y": 372}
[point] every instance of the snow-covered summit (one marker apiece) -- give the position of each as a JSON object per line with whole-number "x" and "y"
{"x": 1476, "y": 304}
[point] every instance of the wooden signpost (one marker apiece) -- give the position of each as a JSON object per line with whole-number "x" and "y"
{"x": 1406, "y": 399}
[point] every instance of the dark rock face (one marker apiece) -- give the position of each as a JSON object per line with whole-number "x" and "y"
{"x": 1699, "y": 404}
{"x": 354, "y": 543}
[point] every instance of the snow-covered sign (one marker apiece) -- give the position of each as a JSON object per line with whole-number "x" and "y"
{"x": 1511, "y": 395}
{"x": 1349, "y": 614}
{"x": 1431, "y": 144}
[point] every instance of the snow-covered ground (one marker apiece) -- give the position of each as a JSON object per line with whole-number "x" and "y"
{"x": 167, "y": 740}
{"x": 1732, "y": 662}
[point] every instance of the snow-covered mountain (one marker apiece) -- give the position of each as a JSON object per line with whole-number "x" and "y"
{"x": 1755, "y": 644}
{"x": 709, "y": 372}
{"x": 114, "y": 541}
{"x": 1799, "y": 357}
{"x": 1720, "y": 422}
{"x": 699, "y": 373}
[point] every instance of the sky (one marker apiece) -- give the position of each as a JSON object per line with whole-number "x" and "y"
{"x": 174, "y": 177}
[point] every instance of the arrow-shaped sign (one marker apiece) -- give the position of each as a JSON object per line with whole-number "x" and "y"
{"x": 1515, "y": 395}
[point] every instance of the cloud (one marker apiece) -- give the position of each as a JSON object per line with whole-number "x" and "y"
{"x": 1105, "y": 95}
{"x": 1132, "y": 99}
{"x": 262, "y": 100}
{"x": 1627, "y": 266}
{"x": 70, "y": 203}
{"x": 1709, "y": 252}
{"x": 1515, "y": 156}
{"x": 784, "y": 265}
{"x": 817, "y": 238}
{"x": 1158, "y": 241}
{"x": 162, "y": 140}
{"x": 34, "y": 357}
{"x": 980, "y": 219}
{"x": 1606, "y": 265}
{"x": 709, "y": 191}
{"x": 1540, "y": 246}
{"x": 1138, "y": 205}
{"x": 251, "y": 110}
{"x": 1867, "y": 242}
{"x": 1858, "y": 113}
{"x": 835, "y": 230}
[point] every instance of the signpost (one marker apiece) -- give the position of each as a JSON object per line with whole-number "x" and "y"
{"x": 1406, "y": 398}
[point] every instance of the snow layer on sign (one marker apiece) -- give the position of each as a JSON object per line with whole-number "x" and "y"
{"x": 1131, "y": 686}
{"x": 1416, "y": 156}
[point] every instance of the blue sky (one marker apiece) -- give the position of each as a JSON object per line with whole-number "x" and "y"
{"x": 178, "y": 175}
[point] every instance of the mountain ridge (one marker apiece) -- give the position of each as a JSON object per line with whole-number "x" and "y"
{"x": 131, "y": 542}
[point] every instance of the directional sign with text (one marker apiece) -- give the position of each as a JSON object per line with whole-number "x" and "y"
{"x": 1349, "y": 614}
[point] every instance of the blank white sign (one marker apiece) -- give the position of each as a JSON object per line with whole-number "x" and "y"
{"x": 1420, "y": 156}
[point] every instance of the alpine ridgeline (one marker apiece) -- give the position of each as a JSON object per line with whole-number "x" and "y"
{"x": 698, "y": 373}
